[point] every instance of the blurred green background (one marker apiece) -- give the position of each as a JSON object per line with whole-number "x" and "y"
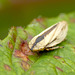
{"x": 22, "y": 12}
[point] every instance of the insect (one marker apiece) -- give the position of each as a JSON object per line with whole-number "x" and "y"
{"x": 50, "y": 37}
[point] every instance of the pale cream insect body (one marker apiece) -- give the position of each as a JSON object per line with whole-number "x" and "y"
{"x": 50, "y": 37}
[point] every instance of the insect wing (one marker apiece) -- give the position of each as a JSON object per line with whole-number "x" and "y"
{"x": 59, "y": 34}
{"x": 41, "y": 40}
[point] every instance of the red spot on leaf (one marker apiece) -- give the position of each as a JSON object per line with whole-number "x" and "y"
{"x": 74, "y": 47}
{"x": 14, "y": 34}
{"x": 25, "y": 48}
{"x": 14, "y": 38}
{"x": 57, "y": 57}
{"x": 25, "y": 65}
{"x": 63, "y": 61}
{"x": 41, "y": 22}
{"x": 59, "y": 69}
{"x": 39, "y": 19}
{"x": 24, "y": 51}
{"x": 72, "y": 20}
{"x": 10, "y": 45}
{"x": 7, "y": 67}
{"x": 21, "y": 55}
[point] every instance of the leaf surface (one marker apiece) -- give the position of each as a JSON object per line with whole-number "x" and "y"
{"x": 17, "y": 59}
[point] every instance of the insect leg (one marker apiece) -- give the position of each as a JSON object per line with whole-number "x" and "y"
{"x": 52, "y": 48}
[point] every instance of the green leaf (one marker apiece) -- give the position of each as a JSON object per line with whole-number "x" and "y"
{"x": 17, "y": 59}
